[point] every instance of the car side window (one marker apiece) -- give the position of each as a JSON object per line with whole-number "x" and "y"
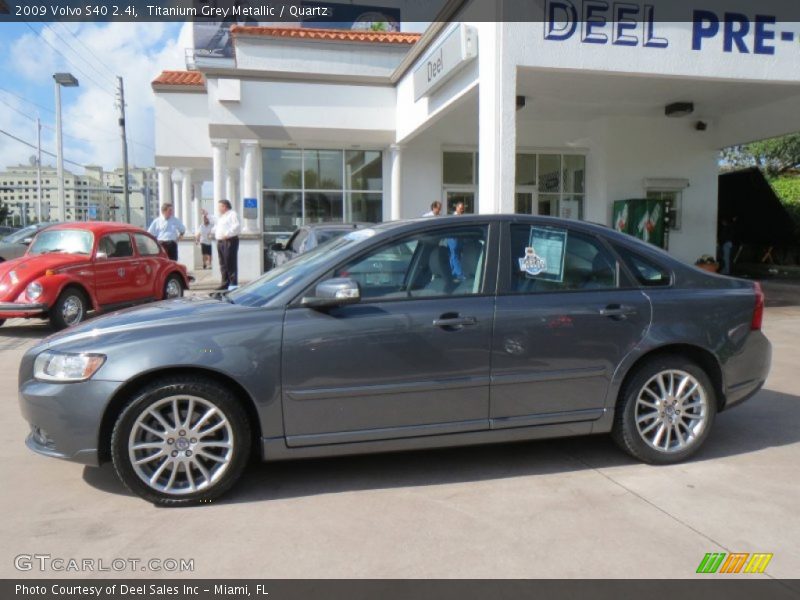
{"x": 448, "y": 262}
{"x": 146, "y": 245}
{"x": 647, "y": 272}
{"x": 116, "y": 245}
{"x": 554, "y": 259}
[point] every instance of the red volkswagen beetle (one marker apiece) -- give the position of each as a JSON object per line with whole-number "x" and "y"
{"x": 73, "y": 268}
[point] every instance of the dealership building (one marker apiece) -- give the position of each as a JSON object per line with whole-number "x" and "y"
{"x": 565, "y": 114}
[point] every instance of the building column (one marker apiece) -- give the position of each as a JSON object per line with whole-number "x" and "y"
{"x": 497, "y": 124}
{"x": 232, "y": 189}
{"x": 164, "y": 189}
{"x": 219, "y": 159}
{"x": 186, "y": 199}
{"x": 251, "y": 159}
{"x": 196, "y": 199}
{"x": 176, "y": 192}
{"x": 395, "y": 197}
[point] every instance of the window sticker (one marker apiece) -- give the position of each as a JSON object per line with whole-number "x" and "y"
{"x": 544, "y": 255}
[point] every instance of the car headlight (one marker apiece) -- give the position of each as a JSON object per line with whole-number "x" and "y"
{"x": 12, "y": 275}
{"x": 66, "y": 366}
{"x": 34, "y": 290}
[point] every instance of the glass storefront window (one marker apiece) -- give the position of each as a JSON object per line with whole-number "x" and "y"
{"x": 363, "y": 170}
{"x": 364, "y": 208}
{"x": 574, "y": 170}
{"x": 526, "y": 169}
{"x": 549, "y": 173}
{"x": 315, "y": 186}
{"x": 283, "y": 168}
{"x": 323, "y": 169}
{"x": 458, "y": 168}
{"x": 283, "y": 211}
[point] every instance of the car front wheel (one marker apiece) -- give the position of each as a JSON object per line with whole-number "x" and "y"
{"x": 666, "y": 411}
{"x": 173, "y": 287}
{"x": 181, "y": 441}
{"x": 70, "y": 309}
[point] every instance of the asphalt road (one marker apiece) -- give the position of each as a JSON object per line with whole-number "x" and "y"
{"x": 561, "y": 508}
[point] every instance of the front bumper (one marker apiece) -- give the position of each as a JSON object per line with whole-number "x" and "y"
{"x": 65, "y": 418}
{"x": 20, "y": 310}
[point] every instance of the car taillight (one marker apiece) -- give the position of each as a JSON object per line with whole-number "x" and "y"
{"x": 758, "y": 311}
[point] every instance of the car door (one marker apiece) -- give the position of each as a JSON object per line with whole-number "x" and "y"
{"x": 116, "y": 270}
{"x": 411, "y": 359}
{"x": 566, "y": 317}
{"x": 148, "y": 276}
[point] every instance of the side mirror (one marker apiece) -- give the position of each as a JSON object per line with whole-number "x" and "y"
{"x": 334, "y": 292}
{"x": 101, "y": 256}
{"x": 277, "y": 247}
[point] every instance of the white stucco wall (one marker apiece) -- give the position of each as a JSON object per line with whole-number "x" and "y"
{"x": 365, "y": 110}
{"x": 182, "y": 125}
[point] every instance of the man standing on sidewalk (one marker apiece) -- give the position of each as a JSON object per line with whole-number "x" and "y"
{"x": 226, "y": 232}
{"x": 167, "y": 229}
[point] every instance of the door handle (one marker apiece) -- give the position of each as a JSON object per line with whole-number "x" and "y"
{"x": 453, "y": 323}
{"x": 617, "y": 311}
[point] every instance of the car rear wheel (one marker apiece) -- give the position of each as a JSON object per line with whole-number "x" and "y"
{"x": 666, "y": 411}
{"x": 173, "y": 287}
{"x": 70, "y": 309}
{"x": 181, "y": 441}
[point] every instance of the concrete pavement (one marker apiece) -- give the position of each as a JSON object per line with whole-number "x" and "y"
{"x": 561, "y": 508}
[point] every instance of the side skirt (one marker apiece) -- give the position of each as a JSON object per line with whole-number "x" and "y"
{"x": 276, "y": 448}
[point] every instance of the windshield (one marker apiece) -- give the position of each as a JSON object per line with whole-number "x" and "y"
{"x": 18, "y": 236}
{"x": 68, "y": 241}
{"x": 271, "y": 283}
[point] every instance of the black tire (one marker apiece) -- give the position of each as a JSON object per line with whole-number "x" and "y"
{"x": 173, "y": 280}
{"x": 71, "y": 296}
{"x": 627, "y": 434}
{"x": 160, "y": 394}
{"x": 2, "y": 322}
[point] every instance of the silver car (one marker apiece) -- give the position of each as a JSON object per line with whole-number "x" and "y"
{"x": 409, "y": 335}
{"x": 16, "y": 244}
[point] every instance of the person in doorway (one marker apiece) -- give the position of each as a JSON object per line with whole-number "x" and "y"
{"x": 455, "y": 245}
{"x": 226, "y": 232}
{"x": 727, "y": 239}
{"x": 203, "y": 236}
{"x": 167, "y": 229}
{"x": 435, "y": 211}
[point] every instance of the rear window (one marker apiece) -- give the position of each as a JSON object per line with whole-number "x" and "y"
{"x": 646, "y": 271}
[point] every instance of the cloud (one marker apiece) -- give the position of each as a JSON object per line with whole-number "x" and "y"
{"x": 96, "y": 53}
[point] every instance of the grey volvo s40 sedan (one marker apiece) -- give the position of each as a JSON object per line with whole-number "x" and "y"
{"x": 408, "y": 335}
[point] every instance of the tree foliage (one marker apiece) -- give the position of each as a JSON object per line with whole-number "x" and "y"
{"x": 775, "y": 156}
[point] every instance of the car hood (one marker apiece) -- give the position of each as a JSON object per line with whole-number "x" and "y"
{"x": 169, "y": 317}
{"x": 30, "y": 267}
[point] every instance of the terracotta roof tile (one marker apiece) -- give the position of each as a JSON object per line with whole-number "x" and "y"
{"x": 329, "y": 35}
{"x": 182, "y": 78}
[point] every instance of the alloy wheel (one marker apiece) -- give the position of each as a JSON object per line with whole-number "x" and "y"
{"x": 671, "y": 411}
{"x": 181, "y": 445}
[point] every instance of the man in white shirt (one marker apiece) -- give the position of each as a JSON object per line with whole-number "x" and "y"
{"x": 167, "y": 229}
{"x": 436, "y": 209}
{"x": 226, "y": 231}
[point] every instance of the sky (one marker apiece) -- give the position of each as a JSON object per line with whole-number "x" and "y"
{"x": 95, "y": 53}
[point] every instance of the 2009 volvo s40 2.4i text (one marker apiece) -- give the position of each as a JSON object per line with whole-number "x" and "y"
{"x": 409, "y": 335}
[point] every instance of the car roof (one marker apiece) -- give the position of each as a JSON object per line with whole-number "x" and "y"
{"x": 333, "y": 226}
{"x": 98, "y": 227}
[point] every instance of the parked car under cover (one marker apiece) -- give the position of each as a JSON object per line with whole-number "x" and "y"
{"x": 74, "y": 268}
{"x": 501, "y": 328}
{"x": 306, "y": 238}
{"x": 15, "y": 244}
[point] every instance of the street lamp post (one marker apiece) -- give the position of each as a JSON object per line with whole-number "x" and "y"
{"x": 67, "y": 80}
